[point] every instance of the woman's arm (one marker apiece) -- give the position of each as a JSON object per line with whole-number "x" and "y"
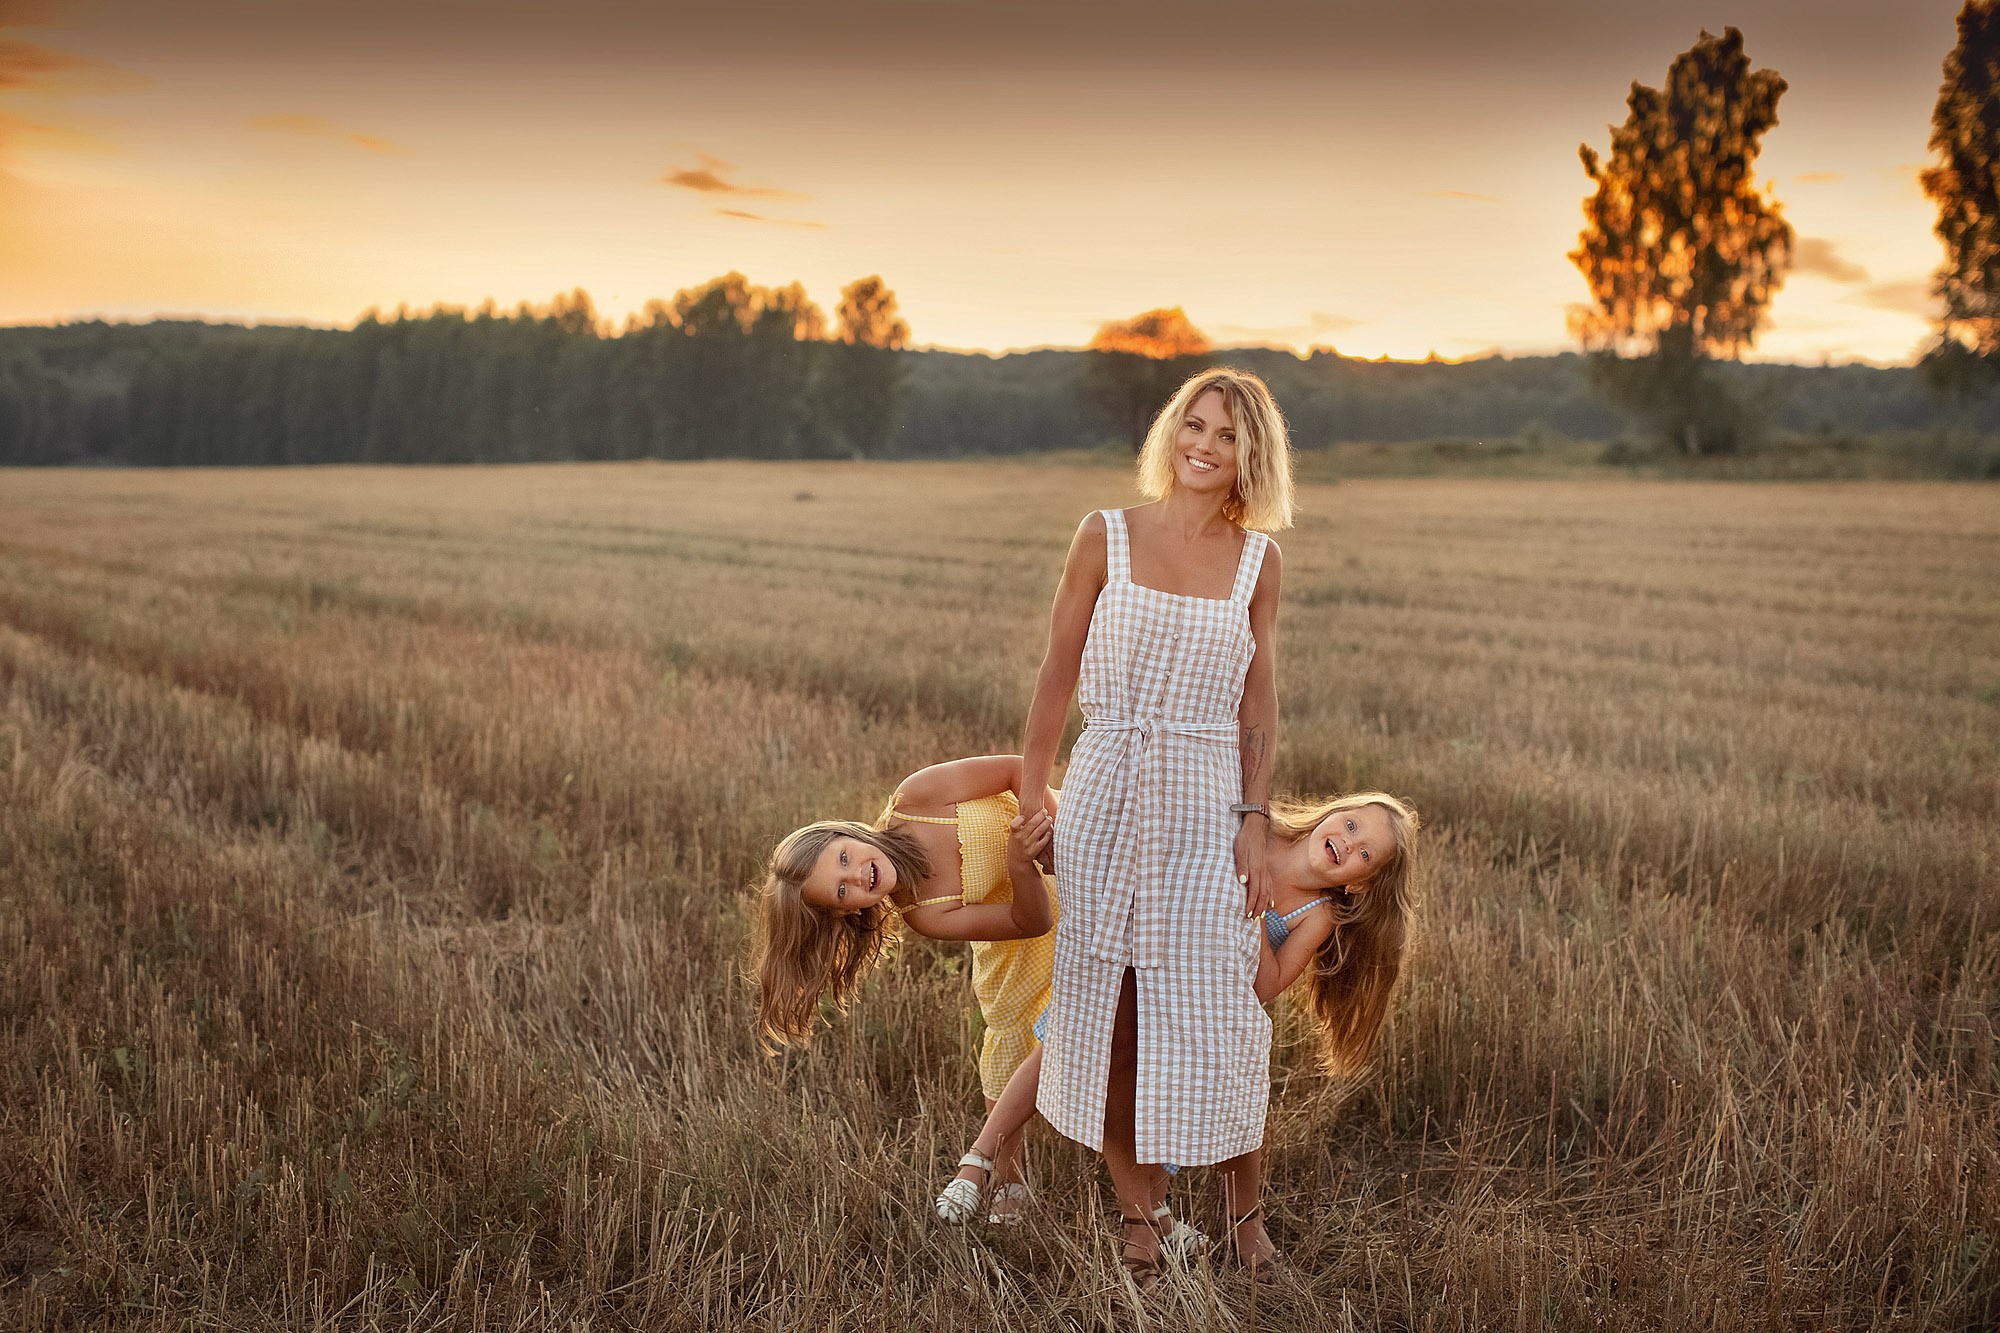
{"x": 1029, "y": 915}
{"x": 1069, "y": 625}
{"x": 1277, "y": 970}
{"x": 1257, "y": 734}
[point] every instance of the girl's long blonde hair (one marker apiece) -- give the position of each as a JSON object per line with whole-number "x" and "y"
{"x": 1353, "y": 977}
{"x": 1263, "y": 496}
{"x": 802, "y": 954}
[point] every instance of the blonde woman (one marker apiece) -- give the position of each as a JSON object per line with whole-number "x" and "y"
{"x": 1164, "y": 627}
{"x": 952, "y": 858}
{"x": 1345, "y": 883}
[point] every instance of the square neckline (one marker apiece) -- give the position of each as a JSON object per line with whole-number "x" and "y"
{"x": 1235, "y": 577}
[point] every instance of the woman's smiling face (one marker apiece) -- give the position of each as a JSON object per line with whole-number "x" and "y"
{"x": 1205, "y": 445}
{"x": 849, "y": 876}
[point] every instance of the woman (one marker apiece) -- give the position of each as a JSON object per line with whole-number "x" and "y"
{"x": 1157, "y": 1049}
{"x": 952, "y": 858}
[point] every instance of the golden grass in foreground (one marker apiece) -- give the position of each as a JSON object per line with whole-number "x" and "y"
{"x": 372, "y": 847}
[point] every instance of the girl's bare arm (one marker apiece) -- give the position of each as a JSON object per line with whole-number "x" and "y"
{"x": 1277, "y": 970}
{"x": 1028, "y": 915}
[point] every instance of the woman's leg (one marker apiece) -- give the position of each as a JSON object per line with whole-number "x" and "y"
{"x": 1137, "y": 1187}
{"x": 1242, "y": 1200}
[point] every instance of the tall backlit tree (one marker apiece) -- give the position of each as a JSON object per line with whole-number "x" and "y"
{"x": 867, "y": 368}
{"x": 1965, "y": 184}
{"x": 1137, "y": 363}
{"x": 1681, "y": 249}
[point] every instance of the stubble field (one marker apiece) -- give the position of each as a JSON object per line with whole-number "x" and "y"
{"x": 374, "y": 846}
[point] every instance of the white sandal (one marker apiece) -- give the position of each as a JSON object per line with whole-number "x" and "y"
{"x": 960, "y": 1202}
{"x": 1182, "y": 1243}
{"x": 1013, "y": 1192}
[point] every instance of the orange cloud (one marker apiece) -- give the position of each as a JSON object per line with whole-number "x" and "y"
{"x": 1818, "y": 177}
{"x": 1818, "y": 256}
{"x": 319, "y": 127}
{"x": 746, "y": 216}
{"x": 708, "y": 179}
{"x": 1905, "y": 298}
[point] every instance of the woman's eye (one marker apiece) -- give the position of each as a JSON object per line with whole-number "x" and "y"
{"x": 1350, "y": 829}
{"x": 1366, "y": 857}
{"x": 843, "y": 858}
{"x": 840, "y": 893}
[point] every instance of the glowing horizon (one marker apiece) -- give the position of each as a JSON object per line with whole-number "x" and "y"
{"x": 1018, "y": 177}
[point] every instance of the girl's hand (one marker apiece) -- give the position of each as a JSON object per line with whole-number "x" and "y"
{"x": 1250, "y": 870}
{"x": 1038, "y": 800}
{"x": 1030, "y": 836}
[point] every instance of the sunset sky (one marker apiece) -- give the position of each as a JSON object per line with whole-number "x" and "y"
{"x": 1385, "y": 178}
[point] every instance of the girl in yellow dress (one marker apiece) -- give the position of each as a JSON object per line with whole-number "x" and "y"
{"x": 951, "y": 858}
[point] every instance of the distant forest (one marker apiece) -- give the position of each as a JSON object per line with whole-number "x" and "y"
{"x": 449, "y": 386}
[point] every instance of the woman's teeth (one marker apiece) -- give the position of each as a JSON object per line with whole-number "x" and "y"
{"x": 1333, "y": 851}
{"x": 1200, "y": 466}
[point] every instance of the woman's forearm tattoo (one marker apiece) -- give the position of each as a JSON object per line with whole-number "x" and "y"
{"x": 1253, "y": 754}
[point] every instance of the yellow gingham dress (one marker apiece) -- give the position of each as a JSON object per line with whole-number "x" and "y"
{"x": 1010, "y": 978}
{"x": 1145, "y": 860}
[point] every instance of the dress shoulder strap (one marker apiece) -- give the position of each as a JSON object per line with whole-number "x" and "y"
{"x": 1300, "y": 911}
{"x": 1117, "y": 546}
{"x": 1248, "y": 566}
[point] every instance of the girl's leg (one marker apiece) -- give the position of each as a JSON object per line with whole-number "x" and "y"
{"x": 1000, "y": 1138}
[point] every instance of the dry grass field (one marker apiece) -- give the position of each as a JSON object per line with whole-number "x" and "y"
{"x": 373, "y": 847}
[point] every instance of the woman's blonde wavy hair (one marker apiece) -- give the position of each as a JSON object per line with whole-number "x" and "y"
{"x": 1262, "y": 499}
{"x": 1353, "y": 977}
{"x": 803, "y": 955}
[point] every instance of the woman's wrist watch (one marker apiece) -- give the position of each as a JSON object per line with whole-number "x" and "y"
{"x": 1249, "y": 808}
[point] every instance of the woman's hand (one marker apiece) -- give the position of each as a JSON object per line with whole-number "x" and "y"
{"x": 1250, "y": 870}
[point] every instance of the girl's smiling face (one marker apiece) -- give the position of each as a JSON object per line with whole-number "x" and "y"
{"x": 849, "y": 876}
{"x": 1347, "y": 847}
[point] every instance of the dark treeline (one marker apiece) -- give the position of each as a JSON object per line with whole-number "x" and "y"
{"x": 728, "y": 371}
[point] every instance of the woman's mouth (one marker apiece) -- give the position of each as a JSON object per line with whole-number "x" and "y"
{"x": 874, "y": 873}
{"x": 1333, "y": 851}
{"x": 1200, "y": 466}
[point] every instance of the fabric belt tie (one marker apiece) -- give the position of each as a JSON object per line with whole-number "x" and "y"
{"x": 1146, "y": 727}
{"x": 1110, "y": 934}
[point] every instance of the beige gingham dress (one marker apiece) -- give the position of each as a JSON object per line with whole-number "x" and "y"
{"x": 1146, "y": 869}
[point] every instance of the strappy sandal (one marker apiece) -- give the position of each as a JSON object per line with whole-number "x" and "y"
{"x": 1139, "y": 1258}
{"x": 960, "y": 1201}
{"x": 1256, "y": 1260}
{"x": 1179, "y": 1242}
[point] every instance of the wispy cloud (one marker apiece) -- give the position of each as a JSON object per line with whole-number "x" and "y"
{"x": 1319, "y": 324}
{"x": 319, "y": 127}
{"x": 746, "y": 216}
{"x": 42, "y": 74}
{"x": 1820, "y": 257}
{"x": 708, "y": 179}
{"x": 1912, "y": 297}
{"x": 1464, "y": 194}
{"x": 1817, "y": 177}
